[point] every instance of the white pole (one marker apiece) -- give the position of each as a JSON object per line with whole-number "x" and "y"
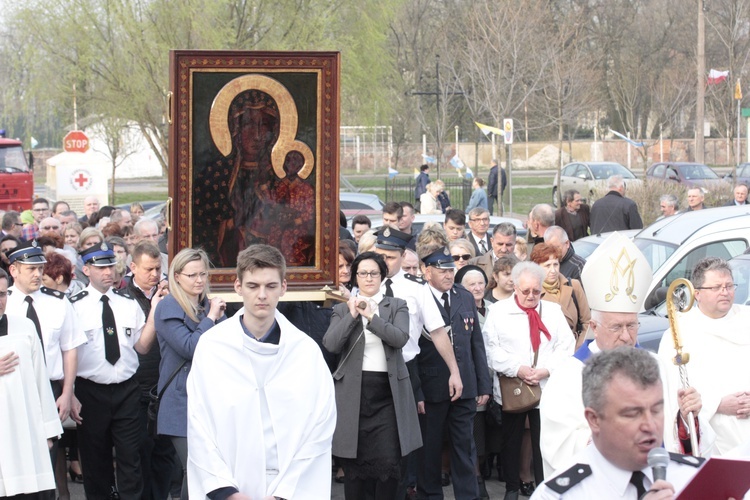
{"x": 729, "y": 138}
{"x": 661, "y": 143}
{"x": 628, "y": 152}
{"x": 75, "y": 109}
{"x": 424, "y": 144}
{"x": 739, "y": 137}
{"x": 356, "y": 145}
{"x": 494, "y": 153}
{"x": 747, "y": 138}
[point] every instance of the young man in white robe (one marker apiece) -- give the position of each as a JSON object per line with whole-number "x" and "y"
{"x": 616, "y": 279}
{"x": 261, "y": 407}
{"x": 27, "y": 409}
{"x": 715, "y": 334}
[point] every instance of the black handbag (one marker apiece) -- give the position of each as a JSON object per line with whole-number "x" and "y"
{"x": 154, "y": 398}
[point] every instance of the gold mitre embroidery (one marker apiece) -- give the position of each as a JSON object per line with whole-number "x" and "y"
{"x": 619, "y": 271}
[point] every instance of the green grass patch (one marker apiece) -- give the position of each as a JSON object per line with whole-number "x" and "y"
{"x": 128, "y": 197}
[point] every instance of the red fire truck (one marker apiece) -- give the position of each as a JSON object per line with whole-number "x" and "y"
{"x": 16, "y": 178}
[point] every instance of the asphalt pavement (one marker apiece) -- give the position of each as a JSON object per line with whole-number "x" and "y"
{"x": 495, "y": 488}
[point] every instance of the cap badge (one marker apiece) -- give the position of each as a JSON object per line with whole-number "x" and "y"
{"x": 104, "y": 247}
{"x": 387, "y": 232}
{"x": 625, "y": 270}
{"x": 34, "y": 243}
{"x": 446, "y": 251}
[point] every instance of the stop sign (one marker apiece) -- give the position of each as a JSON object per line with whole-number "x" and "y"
{"x": 76, "y": 142}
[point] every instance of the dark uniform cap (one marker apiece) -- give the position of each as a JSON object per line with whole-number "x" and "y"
{"x": 98, "y": 256}
{"x": 391, "y": 239}
{"x": 28, "y": 252}
{"x": 440, "y": 258}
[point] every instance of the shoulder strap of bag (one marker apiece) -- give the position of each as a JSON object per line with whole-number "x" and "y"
{"x": 171, "y": 378}
{"x": 343, "y": 361}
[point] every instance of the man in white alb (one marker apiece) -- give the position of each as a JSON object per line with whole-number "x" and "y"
{"x": 261, "y": 407}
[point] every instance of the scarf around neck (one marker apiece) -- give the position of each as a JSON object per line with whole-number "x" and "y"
{"x": 535, "y": 325}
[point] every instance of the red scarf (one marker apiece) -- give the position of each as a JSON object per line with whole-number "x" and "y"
{"x": 535, "y": 325}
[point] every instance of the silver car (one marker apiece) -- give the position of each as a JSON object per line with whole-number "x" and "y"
{"x": 586, "y": 176}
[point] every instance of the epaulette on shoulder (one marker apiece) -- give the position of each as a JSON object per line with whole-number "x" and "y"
{"x": 123, "y": 293}
{"x": 79, "y": 296}
{"x": 565, "y": 481}
{"x": 10, "y": 292}
{"x": 51, "y": 291}
{"x": 687, "y": 459}
{"x": 415, "y": 279}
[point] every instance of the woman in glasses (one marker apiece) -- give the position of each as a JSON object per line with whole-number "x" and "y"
{"x": 527, "y": 339}
{"x": 180, "y": 320}
{"x": 564, "y": 291}
{"x": 462, "y": 251}
{"x": 377, "y": 417}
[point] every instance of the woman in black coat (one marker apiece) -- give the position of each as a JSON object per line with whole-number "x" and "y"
{"x": 376, "y": 415}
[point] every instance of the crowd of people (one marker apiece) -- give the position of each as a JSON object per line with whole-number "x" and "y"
{"x": 448, "y": 357}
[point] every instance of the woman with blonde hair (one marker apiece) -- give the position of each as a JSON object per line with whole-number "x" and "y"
{"x": 462, "y": 252}
{"x": 71, "y": 235}
{"x": 180, "y": 320}
{"x": 429, "y": 199}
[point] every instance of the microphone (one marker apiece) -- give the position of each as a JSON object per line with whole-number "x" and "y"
{"x": 658, "y": 460}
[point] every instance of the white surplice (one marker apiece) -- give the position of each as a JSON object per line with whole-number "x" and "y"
{"x": 270, "y": 438}
{"x": 28, "y": 415}
{"x": 719, "y": 352}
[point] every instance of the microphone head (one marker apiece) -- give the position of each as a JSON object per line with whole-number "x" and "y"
{"x": 658, "y": 457}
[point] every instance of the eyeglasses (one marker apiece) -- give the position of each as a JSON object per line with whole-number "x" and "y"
{"x": 194, "y": 276}
{"x": 719, "y": 288}
{"x": 365, "y": 274}
{"x": 483, "y": 220}
{"x": 531, "y": 291}
{"x": 630, "y": 327}
{"x": 465, "y": 256}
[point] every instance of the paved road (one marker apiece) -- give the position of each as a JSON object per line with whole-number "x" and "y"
{"x": 495, "y": 488}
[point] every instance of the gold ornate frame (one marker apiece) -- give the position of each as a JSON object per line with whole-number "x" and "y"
{"x": 203, "y": 85}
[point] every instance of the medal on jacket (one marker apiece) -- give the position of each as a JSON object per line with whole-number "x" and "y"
{"x": 466, "y": 324}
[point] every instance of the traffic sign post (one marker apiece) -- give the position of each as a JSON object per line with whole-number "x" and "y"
{"x": 76, "y": 142}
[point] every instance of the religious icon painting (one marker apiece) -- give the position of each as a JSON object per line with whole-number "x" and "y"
{"x": 254, "y": 159}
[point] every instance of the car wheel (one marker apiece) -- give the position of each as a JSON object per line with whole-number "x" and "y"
{"x": 555, "y": 200}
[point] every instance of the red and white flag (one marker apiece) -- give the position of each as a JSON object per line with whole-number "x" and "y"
{"x": 715, "y": 76}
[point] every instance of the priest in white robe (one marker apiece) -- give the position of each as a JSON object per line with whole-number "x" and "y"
{"x": 716, "y": 335}
{"x": 28, "y": 413}
{"x": 616, "y": 279}
{"x": 261, "y": 406}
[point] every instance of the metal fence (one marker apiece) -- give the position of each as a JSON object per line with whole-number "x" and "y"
{"x": 458, "y": 190}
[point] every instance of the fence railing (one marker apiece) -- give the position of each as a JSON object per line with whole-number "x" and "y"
{"x": 458, "y": 190}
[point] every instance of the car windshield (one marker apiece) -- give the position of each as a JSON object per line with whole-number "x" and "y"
{"x": 692, "y": 172}
{"x": 585, "y": 248}
{"x": 13, "y": 159}
{"x": 656, "y": 252}
{"x": 606, "y": 170}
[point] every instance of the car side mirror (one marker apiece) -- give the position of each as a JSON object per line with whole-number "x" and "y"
{"x": 656, "y": 297}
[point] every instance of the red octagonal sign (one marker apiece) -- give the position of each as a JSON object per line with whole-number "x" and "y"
{"x": 76, "y": 142}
